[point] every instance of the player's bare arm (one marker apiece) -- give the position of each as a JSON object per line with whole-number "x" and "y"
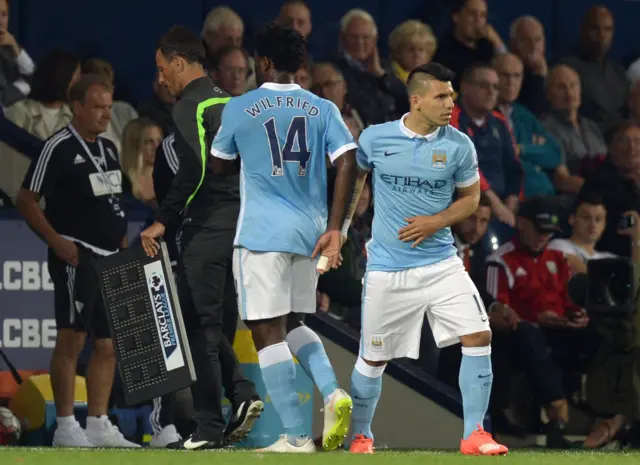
{"x": 421, "y": 227}
{"x": 330, "y": 242}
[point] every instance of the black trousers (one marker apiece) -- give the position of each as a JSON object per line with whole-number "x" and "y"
{"x": 210, "y": 312}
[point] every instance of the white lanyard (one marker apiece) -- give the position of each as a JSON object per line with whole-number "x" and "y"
{"x": 97, "y": 164}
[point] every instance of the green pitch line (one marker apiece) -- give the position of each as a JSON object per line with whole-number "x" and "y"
{"x": 26, "y": 456}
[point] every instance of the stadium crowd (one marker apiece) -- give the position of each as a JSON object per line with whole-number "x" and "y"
{"x": 558, "y": 147}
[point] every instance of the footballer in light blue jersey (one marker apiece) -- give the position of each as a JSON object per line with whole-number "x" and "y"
{"x": 413, "y": 175}
{"x": 425, "y": 179}
{"x": 283, "y": 134}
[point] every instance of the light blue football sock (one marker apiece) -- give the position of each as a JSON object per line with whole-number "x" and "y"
{"x": 279, "y": 376}
{"x": 309, "y": 350}
{"x": 475, "y": 381}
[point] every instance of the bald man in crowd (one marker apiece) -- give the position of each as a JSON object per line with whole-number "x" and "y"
{"x": 605, "y": 87}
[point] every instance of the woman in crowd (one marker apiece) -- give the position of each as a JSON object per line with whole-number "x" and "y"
{"x": 411, "y": 44}
{"x": 140, "y": 139}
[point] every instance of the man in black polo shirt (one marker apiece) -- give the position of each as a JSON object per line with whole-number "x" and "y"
{"x": 208, "y": 206}
{"x": 78, "y": 174}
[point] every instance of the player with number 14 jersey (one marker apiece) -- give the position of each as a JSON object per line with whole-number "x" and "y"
{"x": 283, "y": 135}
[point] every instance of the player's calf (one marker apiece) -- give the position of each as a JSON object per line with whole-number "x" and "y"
{"x": 279, "y": 376}
{"x": 476, "y": 380}
{"x": 366, "y": 387}
{"x": 308, "y": 348}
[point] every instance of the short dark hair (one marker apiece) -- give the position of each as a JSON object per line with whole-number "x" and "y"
{"x": 589, "y": 196}
{"x": 283, "y": 45}
{"x": 78, "y": 91}
{"x": 213, "y": 62}
{"x": 182, "y": 42}
{"x": 52, "y": 76}
{"x": 438, "y": 71}
{"x": 469, "y": 73}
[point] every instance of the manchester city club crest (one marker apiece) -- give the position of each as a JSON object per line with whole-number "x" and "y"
{"x": 439, "y": 160}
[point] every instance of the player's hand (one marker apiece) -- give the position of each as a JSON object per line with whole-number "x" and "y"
{"x": 329, "y": 245}
{"x": 65, "y": 250}
{"x": 149, "y": 236}
{"x": 419, "y": 229}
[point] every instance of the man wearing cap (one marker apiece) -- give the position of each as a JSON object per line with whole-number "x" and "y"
{"x": 532, "y": 279}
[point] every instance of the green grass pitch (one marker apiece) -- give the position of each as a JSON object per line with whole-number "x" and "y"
{"x": 28, "y": 456}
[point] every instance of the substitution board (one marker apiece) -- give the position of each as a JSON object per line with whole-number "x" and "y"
{"x": 141, "y": 300}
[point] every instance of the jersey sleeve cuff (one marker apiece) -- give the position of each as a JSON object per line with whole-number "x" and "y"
{"x": 345, "y": 148}
{"x": 469, "y": 182}
{"x": 222, "y": 155}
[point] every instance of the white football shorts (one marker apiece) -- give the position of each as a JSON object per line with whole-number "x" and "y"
{"x": 394, "y": 305}
{"x": 272, "y": 284}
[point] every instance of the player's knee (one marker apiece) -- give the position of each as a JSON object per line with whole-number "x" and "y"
{"x": 480, "y": 339}
{"x": 69, "y": 344}
{"x": 104, "y": 348}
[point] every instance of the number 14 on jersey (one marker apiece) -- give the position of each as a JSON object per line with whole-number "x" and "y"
{"x": 295, "y": 149}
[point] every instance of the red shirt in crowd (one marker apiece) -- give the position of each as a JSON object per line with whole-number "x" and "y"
{"x": 530, "y": 284}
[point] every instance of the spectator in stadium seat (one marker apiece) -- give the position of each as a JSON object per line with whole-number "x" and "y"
{"x": 582, "y": 142}
{"x": 527, "y": 41}
{"x": 475, "y": 116}
{"x": 328, "y": 82}
{"x": 605, "y": 87}
{"x": 47, "y": 110}
{"x": 297, "y": 14}
{"x": 617, "y": 182}
{"x": 140, "y": 141}
{"x": 411, "y": 44}
{"x": 16, "y": 66}
{"x": 539, "y": 153}
{"x": 221, "y": 27}
{"x": 158, "y": 107}
{"x": 471, "y": 40}
{"x": 376, "y": 93}
{"x": 229, "y": 69}
{"x": 526, "y": 275}
{"x": 587, "y": 220}
{"x": 121, "y": 112}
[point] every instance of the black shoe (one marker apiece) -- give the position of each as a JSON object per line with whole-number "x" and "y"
{"x": 196, "y": 442}
{"x": 242, "y": 421}
{"x": 556, "y": 439}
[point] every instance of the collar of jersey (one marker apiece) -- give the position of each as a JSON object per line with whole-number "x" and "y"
{"x": 280, "y": 87}
{"x": 413, "y": 135}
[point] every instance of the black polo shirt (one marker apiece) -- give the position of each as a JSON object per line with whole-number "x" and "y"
{"x": 82, "y": 184}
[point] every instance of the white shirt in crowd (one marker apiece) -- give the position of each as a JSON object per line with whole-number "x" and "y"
{"x": 570, "y": 248}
